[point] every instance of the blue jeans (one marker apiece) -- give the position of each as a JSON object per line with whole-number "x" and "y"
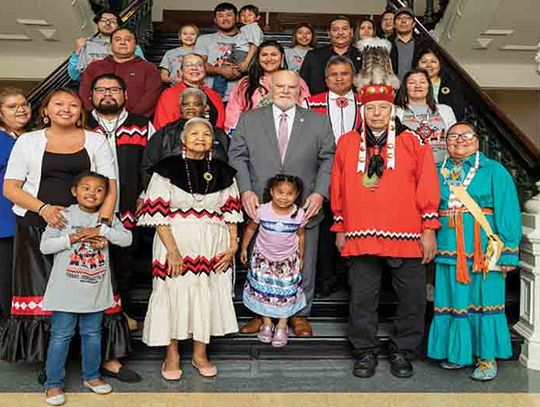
{"x": 62, "y": 329}
{"x": 220, "y": 85}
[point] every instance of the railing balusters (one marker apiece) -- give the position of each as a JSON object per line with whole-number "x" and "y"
{"x": 137, "y": 16}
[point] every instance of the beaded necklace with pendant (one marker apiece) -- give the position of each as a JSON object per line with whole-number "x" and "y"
{"x": 207, "y": 177}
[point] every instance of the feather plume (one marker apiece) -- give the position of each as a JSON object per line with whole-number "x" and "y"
{"x": 376, "y": 64}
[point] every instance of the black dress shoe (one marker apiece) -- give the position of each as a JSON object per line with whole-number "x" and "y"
{"x": 325, "y": 291}
{"x": 124, "y": 375}
{"x": 42, "y": 376}
{"x": 400, "y": 366}
{"x": 365, "y": 365}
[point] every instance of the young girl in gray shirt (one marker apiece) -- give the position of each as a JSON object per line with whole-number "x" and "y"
{"x": 79, "y": 287}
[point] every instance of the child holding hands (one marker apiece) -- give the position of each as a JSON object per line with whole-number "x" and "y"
{"x": 79, "y": 287}
{"x": 273, "y": 287}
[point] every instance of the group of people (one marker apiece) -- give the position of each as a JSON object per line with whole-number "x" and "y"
{"x": 239, "y": 139}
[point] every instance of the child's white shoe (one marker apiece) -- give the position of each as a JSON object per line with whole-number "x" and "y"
{"x": 57, "y": 400}
{"x": 98, "y": 389}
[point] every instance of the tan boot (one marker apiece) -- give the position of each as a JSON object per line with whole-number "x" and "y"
{"x": 252, "y": 327}
{"x": 132, "y": 324}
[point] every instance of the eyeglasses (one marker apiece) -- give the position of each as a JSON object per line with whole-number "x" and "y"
{"x": 198, "y": 65}
{"x": 113, "y": 90}
{"x": 191, "y": 104}
{"x": 404, "y": 18}
{"x": 463, "y": 136}
{"x": 108, "y": 21}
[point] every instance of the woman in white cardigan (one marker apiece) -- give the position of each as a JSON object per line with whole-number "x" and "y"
{"x": 417, "y": 109}
{"x": 40, "y": 171}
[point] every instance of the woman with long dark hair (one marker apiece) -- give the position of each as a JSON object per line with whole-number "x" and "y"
{"x": 303, "y": 40}
{"x": 41, "y": 169}
{"x": 446, "y": 90}
{"x": 253, "y": 90}
{"x": 418, "y": 110}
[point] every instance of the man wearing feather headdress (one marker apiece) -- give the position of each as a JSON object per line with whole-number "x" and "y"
{"x": 385, "y": 198}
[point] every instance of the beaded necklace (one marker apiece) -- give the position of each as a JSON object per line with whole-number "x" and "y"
{"x": 452, "y": 177}
{"x": 207, "y": 177}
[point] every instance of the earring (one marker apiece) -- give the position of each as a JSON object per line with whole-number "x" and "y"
{"x": 79, "y": 123}
{"x": 209, "y": 155}
{"x": 46, "y": 120}
{"x": 183, "y": 152}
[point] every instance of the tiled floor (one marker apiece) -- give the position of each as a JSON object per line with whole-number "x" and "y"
{"x": 322, "y": 376}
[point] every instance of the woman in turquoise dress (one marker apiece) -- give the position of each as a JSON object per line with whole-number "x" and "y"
{"x": 469, "y": 325}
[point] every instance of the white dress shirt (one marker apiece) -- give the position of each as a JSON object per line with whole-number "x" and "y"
{"x": 277, "y": 119}
{"x": 349, "y": 114}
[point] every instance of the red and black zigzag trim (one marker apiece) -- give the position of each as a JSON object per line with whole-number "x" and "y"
{"x": 196, "y": 265}
{"x": 192, "y": 212}
{"x": 132, "y": 135}
{"x": 157, "y": 206}
{"x": 128, "y": 219}
{"x": 232, "y": 204}
{"x": 384, "y": 234}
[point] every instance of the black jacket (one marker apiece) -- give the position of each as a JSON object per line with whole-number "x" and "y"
{"x": 419, "y": 46}
{"x": 451, "y": 94}
{"x": 312, "y": 69}
{"x": 166, "y": 142}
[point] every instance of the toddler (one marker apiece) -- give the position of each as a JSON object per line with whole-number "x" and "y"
{"x": 250, "y": 37}
{"x": 273, "y": 287}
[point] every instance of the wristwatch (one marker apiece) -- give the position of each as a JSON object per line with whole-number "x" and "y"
{"x": 105, "y": 221}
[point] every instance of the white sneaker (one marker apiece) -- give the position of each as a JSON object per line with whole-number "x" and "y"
{"x": 99, "y": 389}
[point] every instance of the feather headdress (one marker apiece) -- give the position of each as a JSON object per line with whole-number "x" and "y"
{"x": 376, "y": 82}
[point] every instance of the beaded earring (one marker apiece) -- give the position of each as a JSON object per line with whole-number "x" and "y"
{"x": 209, "y": 156}
{"x": 183, "y": 152}
{"x": 46, "y": 120}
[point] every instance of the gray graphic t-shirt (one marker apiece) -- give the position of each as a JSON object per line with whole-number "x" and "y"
{"x": 80, "y": 279}
{"x": 219, "y": 49}
{"x": 172, "y": 60}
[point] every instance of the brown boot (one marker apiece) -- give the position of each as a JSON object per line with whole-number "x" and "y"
{"x": 252, "y": 327}
{"x": 301, "y": 326}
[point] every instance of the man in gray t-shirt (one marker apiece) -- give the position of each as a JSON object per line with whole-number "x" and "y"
{"x": 217, "y": 49}
{"x": 406, "y": 46}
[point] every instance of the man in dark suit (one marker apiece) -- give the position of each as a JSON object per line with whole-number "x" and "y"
{"x": 309, "y": 152}
{"x": 341, "y": 36}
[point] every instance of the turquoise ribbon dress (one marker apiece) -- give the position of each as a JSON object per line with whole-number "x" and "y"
{"x": 469, "y": 319}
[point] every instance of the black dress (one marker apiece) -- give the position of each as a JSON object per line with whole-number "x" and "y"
{"x": 26, "y": 334}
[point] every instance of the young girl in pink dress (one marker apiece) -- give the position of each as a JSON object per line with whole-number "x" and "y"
{"x": 273, "y": 287}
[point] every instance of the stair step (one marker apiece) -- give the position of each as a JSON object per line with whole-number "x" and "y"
{"x": 329, "y": 342}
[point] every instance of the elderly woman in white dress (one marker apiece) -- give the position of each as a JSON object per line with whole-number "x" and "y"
{"x": 193, "y": 202}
